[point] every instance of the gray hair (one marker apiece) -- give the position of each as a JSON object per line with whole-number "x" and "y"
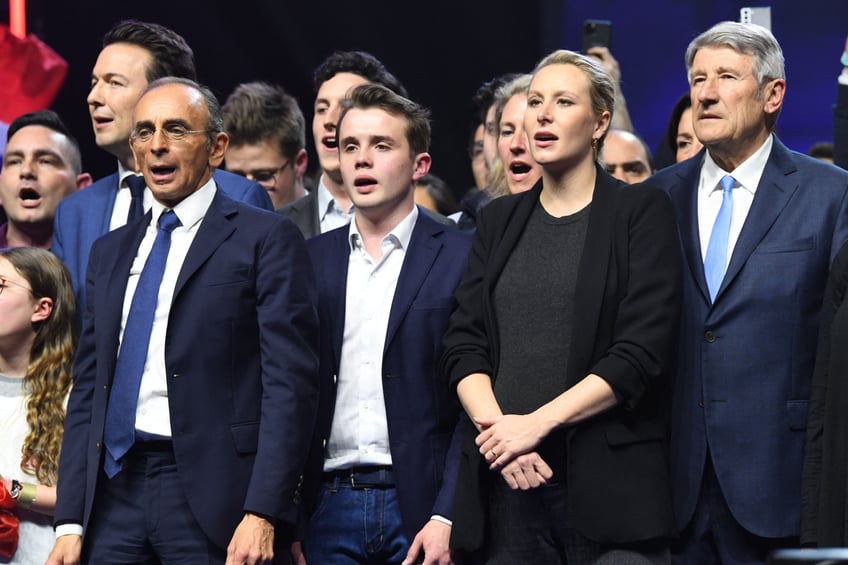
{"x": 215, "y": 121}
{"x": 749, "y": 39}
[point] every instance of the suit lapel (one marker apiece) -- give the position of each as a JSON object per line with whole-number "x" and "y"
{"x": 215, "y": 228}
{"x": 423, "y": 249}
{"x": 773, "y": 193}
{"x": 112, "y": 305}
{"x": 593, "y": 273}
{"x": 336, "y": 263}
{"x": 312, "y": 213}
{"x": 685, "y": 200}
{"x": 111, "y": 186}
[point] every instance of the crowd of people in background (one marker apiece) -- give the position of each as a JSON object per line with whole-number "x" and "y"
{"x": 599, "y": 353}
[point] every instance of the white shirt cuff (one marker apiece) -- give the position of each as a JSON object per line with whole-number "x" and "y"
{"x": 843, "y": 78}
{"x": 69, "y": 530}
{"x": 441, "y": 519}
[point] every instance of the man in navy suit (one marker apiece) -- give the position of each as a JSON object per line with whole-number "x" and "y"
{"x": 384, "y": 459}
{"x": 227, "y": 389}
{"x": 759, "y": 225}
{"x": 133, "y": 55}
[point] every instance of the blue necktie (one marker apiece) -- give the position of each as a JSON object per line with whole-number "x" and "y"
{"x": 715, "y": 261}
{"x": 136, "y": 185}
{"x": 119, "y": 434}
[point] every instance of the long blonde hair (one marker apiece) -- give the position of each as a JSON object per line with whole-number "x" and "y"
{"x": 48, "y": 376}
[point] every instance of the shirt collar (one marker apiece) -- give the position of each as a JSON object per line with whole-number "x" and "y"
{"x": 325, "y": 199}
{"x": 192, "y": 209}
{"x": 747, "y": 174}
{"x": 123, "y": 173}
{"x": 401, "y": 234}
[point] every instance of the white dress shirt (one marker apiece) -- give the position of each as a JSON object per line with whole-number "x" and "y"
{"x": 123, "y": 199}
{"x": 747, "y": 176}
{"x": 152, "y": 414}
{"x": 359, "y": 434}
{"x": 330, "y": 214}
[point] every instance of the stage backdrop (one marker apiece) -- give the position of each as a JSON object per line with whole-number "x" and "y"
{"x": 443, "y": 49}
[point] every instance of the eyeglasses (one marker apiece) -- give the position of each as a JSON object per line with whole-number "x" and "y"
{"x": 172, "y": 132}
{"x": 265, "y": 176}
{"x": 4, "y": 282}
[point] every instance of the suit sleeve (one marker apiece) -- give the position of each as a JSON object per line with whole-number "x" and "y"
{"x": 287, "y": 315}
{"x": 257, "y": 196}
{"x": 648, "y": 314}
{"x": 812, "y": 469}
{"x": 444, "y": 505}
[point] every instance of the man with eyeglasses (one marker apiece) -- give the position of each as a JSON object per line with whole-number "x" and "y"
{"x": 134, "y": 54}
{"x": 267, "y": 140}
{"x": 195, "y": 383}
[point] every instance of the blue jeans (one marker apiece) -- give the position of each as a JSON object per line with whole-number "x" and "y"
{"x": 361, "y": 525}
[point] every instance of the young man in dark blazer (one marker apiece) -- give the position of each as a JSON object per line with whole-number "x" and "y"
{"x": 387, "y": 440}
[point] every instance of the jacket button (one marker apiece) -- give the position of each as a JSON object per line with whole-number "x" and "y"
{"x": 97, "y": 446}
{"x": 710, "y": 336}
{"x": 701, "y": 402}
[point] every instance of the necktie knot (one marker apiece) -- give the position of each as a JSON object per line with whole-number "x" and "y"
{"x": 727, "y": 183}
{"x": 168, "y": 221}
{"x": 136, "y": 185}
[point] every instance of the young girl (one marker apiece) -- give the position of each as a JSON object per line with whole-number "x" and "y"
{"x": 37, "y": 345}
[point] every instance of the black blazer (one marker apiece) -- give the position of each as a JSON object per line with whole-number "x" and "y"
{"x": 824, "y": 488}
{"x": 626, "y": 309}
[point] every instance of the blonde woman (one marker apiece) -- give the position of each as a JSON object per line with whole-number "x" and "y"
{"x": 559, "y": 348}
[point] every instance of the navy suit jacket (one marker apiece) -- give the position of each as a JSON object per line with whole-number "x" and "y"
{"x": 241, "y": 356}
{"x": 85, "y": 215}
{"x": 422, "y": 411}
{"x": 746, "y": 362}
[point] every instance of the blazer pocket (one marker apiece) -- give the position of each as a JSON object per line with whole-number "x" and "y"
{"x": 233, "y": 276}
{"x": 794, "y": 246}
{"x": 796, "y": 414}
{"x": 245, "y": 437}
{"x": 622, "y": 434}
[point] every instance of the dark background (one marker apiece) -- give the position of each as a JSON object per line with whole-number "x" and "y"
{"x": 443, "y": 50}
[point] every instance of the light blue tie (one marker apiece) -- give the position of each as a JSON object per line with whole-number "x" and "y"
{"x": 119, "y": 434}
{"x": 715, "y": 261}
